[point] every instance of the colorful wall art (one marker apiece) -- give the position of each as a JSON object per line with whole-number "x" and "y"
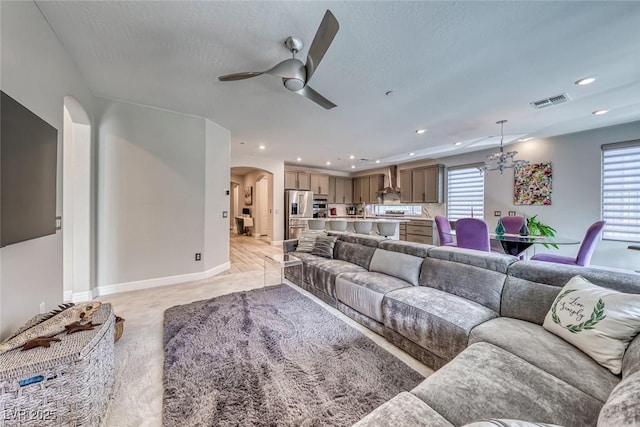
{"x": 532, "y": 184}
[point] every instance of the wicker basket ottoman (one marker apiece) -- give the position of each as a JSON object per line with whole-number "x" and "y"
{"x": 68, "y": 384}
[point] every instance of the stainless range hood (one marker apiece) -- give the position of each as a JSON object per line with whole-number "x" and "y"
{"x": 391, "y": 194}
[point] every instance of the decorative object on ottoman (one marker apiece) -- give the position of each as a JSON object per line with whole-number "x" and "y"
{"x": 69, "y": 384}
{"x": 79, "y": 326}
{"x": 119, "y": 328}
{"x": 50, "y": 324}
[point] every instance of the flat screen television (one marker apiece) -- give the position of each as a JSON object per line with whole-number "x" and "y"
{"x": 28, "y": 163}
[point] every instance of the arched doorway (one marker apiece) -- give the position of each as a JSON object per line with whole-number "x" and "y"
{"x": 76, "y": 202}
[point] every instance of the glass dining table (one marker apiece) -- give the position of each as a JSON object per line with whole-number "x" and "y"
{"x": 515, "y": 244}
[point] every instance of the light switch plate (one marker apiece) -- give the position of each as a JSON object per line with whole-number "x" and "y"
{"x": 225, "y": 214}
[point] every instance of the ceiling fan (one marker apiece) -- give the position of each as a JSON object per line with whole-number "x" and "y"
{"x": 294, "y": 74}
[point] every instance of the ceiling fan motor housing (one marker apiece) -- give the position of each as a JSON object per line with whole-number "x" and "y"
{"x": 293, "y": 84}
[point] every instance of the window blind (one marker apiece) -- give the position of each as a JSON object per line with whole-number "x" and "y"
{"x": 621, "y": 191}
{"x": 465, "y": 193}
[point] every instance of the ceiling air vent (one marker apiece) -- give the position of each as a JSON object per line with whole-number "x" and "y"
{"x": 548, "y": 102}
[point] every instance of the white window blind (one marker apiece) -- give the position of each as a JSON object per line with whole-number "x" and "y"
{"x": 465, "y": 193}
{"x": 621, "y": 191}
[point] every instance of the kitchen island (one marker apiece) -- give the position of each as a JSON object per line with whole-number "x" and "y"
{"x": 352, "y": 219}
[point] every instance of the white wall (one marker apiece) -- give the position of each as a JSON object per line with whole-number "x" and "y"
{"x": 576, "y": 162}
{"x": 37, "y": 72}
{"x": 217, "y": 184}
{"x": 151, "y": 193}
{"x": 275, "y": 167}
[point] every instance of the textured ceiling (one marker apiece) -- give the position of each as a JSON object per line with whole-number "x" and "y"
{"x": 455, "y": 68}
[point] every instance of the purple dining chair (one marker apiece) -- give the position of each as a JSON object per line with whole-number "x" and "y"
{"x": 444, "y": 231}
{"x": 585, "y": 252}
{"x": 512, "y": 224}
{"x": 473, "y": 233}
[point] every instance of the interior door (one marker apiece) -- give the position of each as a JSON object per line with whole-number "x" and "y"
{"x": 263, "y": 197}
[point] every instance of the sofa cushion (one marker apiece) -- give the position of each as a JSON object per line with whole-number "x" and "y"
{"x": 532, "y": 286}
{"x": 353, "y": 253}
{"x": 358, "y": 239}
{"x": 404, "y": 410}
{"x": 402, "y": 266}
{"x": 548, "y": 352}
{"x": 485, "y": 381}
{"x": 473, "y": 275}
{"x": 622, "y": 407}
{"x": 321, "y": 273}
{"x": 364, "y": 291}
{"x": 308, "y": 239}
{"x": 631, "y": 359}
{"x": 433, "y": 319}
{"x": 409, "y": 248}
{"x": 324, "y": 246}
{"x": 508, "y": 423}
{"x": 599, "y": 321}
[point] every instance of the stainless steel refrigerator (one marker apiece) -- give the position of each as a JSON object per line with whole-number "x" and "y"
{"x": 298, "y": 209}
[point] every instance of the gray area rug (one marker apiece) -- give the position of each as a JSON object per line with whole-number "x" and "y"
{"x": 272, "y": 357}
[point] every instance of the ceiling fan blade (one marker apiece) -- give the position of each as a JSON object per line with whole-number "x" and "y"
{"x": 321, "y": 42}
{"x": 316, "y": 97}
{"x": 291, "y": 68}
{"x": 239, "y": 76}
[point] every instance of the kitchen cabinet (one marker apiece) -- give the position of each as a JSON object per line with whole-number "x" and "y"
{"x": 358, "y": 184}
{"x": 297, "y": 180}
{"x": 320, "y": 184}
{"x": 376, "y": 185}
{"x": 419, "y": 232}
{"x": 366, "y": 188}
{"x": 427, "y": 184}
{"x": 340, "y": 190}
{"x": 406, "y": 186}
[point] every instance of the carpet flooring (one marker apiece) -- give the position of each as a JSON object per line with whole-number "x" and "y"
{"x": 272, "y": 357}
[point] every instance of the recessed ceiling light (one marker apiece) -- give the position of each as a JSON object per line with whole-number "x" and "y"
{"x": 328, "y": 163}
{"x": 585, "y": 81}
{"x": 600, "y": 112}
{"x": 377, "y": 161}
{"x": 352, "y": 157}
{"x": 526, "y": 139}
{"x": 353, "y": 166}
{"x": 421, "y": 131}
{"x": 412, "y": 154}
{"x": 262, "y": 147}
{"x": 242, "y": 143}
{"x": 457, "y": 143}
{"x": 299, "y": 159}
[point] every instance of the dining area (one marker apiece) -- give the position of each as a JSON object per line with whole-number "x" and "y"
{"x": 512, "y": 236}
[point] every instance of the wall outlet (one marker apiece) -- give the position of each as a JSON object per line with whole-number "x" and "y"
{"x": 225, "y": 214}
{"x": 497, "y": 213}
{"x": 198, "y": 256}
{"x": 43, "y": 307}
{"x": 512, "y": 213}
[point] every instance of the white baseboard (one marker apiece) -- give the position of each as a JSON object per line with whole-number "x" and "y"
{"x": 217, "y": 270}
{"x": 277, "y": 242}
{"x": 81, "y": 296}
{"x": 161, "y": 281}
{"x": 70, "y": 296}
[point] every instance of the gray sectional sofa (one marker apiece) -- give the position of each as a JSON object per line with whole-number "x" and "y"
{"x": 477, "y": 318}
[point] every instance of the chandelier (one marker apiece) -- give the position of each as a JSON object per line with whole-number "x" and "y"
{"x": 500, "y": 161}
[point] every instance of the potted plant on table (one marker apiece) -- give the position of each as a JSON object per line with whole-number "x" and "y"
{"x": 537, "y": 228}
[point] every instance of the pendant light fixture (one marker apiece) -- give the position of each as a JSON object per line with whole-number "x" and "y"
{"x": 500, "y": 161}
